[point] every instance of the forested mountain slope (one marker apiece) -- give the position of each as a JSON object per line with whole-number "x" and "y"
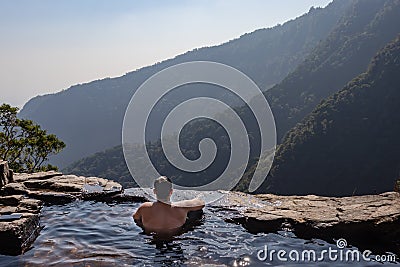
{"x": 350, "y": 143}
{"x": 88, "y": 117}
{"x": 366, "y": 27}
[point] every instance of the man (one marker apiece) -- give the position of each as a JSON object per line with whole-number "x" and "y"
{"x": 163, "y": 216}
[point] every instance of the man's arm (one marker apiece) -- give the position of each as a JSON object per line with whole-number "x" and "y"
{"x": 137, "y": 216}
{"x": 191, "y": 205}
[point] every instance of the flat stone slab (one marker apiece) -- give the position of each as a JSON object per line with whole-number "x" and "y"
{"x": 370, "y": 222}
{"x": 56, "y": 188}
{"x": 52, "y": 198}
{"x": 21, "y": 177}
{"x": 319, "y": 211}
{"x": 15, "y": 189}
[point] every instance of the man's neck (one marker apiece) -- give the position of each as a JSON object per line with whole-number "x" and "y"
{"x": 164, "y": 201}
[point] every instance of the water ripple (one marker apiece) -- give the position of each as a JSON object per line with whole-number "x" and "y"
{"x": 98, "y": 234}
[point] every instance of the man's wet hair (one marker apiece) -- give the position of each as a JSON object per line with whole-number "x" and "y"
{"x": 163, "y": 186}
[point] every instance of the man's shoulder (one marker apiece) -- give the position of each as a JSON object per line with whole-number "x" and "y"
{"x": 146, "y": 205}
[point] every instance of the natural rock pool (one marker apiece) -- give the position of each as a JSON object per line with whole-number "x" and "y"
{"x": 88, "y": 233}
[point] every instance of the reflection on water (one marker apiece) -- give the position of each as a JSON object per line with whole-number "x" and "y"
{"x": 168, "y": 252}
{"x": 98, "y": 234}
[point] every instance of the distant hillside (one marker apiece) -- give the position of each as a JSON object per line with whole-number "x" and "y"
{"x": 88, "y": 117}
{"x": 350, "y": 143}
{"x": 109, "y": 163}
{"x": 365, "y": 28}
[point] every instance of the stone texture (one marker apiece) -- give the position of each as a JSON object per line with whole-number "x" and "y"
{"x": 22, "y": 200}
{"x": 56, "y": 188}
{"x": 52, "y": 198}
{"x": 100, "y": 189}
{"x": 67, "y": 183}
{"x": 15, "y": 188}
{"x": 17, "y": 234}
{"x": 370, "y": 222}
{"x": 12, "y": 200}
{"x": 320, "y": 212}
{"x": 71, "y": 183}
{"x": 131, "y": 195}
{"x": 21, "y": 177}
{"x": 6, "y": 175}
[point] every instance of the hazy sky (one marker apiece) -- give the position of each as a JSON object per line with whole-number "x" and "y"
{"x": 49, "y": 45}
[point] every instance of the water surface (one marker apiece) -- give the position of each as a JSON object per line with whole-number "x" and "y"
{"x": 99, "y": 234}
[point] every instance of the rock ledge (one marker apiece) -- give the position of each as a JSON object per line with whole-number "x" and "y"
{"x": 369, "y": 222}
{"x": 23, "y": 195}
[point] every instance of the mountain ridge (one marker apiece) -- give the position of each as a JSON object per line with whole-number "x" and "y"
{"x": 348, "y": 145}
{"x": 358, "y": 35}
{"x": 88, "y": 117}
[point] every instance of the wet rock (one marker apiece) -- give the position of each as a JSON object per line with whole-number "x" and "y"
{"x": 321, "y": 212}
{"x": 22, "y": 199}
{"x": 19, "y": 223}
{"x": 129, "y": 195}
{"x": 100, "y": 189}
{"x": 17, "y": 235}
{"x": 53, "y": 198}
{"x": 371, "y": 221}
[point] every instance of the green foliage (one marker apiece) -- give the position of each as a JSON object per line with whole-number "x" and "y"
{"x": 24, "y": 144}
{"x": 366, "y": 27}
{"x": 350, "y": 143}
{"x": 111, "y": 164}
{"x": 108, "y": 164}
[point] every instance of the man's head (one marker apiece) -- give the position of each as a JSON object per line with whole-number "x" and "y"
{"x": 163, "y": 188}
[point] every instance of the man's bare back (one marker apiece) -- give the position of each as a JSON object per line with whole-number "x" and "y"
{"x": 162, "y": 217}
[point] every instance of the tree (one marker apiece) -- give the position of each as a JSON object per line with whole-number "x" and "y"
{"x": 24, "y": 144}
